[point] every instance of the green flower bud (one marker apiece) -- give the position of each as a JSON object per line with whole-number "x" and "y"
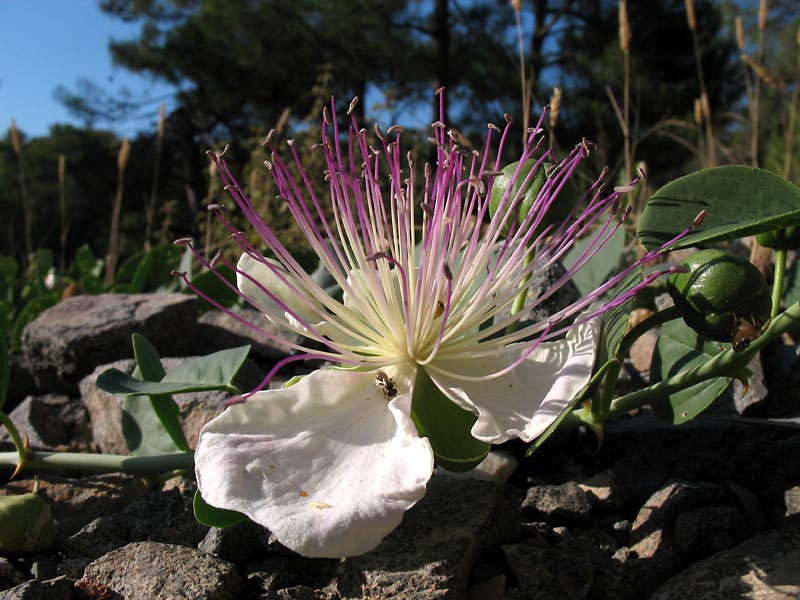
{"x": 559, "y": 209}
{"x": 780, "y": 239}
{"x": 722, "y": 297}
{"x": 26, "y": 524}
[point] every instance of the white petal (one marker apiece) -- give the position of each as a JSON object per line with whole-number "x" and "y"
{"x": 269, "y": 280}
{"x": 329, "y": 465}
{"x": 524, "y": 402}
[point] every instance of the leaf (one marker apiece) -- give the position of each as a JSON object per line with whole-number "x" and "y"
{"x": 210, "y": 284}
{"x": 602, "y": 264}
{"x": 213, "y": 516}
{"x": 678, "y": 349}
{"x": 86, "y": 263}
{"x": 447, "y": 427}
{"x": 739, "y": 201}
{"x": 143, "y": 430}
{"x": 151, "y": 426}
{"x": 218, "y": 368}
{"x": 213, "y": 372}
{"x": 148, "y": 362}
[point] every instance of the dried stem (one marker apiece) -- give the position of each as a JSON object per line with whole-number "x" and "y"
{"x": 27, "y": 201}
{"x": 62, "y": 211}
{"x": 113, "y": 241}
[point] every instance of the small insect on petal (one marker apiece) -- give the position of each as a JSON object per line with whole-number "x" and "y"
{"x": 319, "y": 505}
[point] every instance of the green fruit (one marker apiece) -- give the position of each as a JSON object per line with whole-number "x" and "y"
{"x": 722, "y": 297}
{"x": 26, "y": 524}
{"x": 780, "y": 239}
{"x": 559, "y": 209}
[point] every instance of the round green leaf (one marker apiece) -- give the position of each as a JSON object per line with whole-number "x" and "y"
{"x": 739, "y": 201}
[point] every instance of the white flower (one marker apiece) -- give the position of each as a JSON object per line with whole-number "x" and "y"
{"x": 436, "y": 366}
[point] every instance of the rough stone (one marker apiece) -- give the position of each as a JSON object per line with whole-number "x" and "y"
{"x": 240, "y": 544}
{"x": 34, "y": 420}
{"x": 431, "y": 554}
{"x": 67, "y": 341}
{"x": 147, "y": 570}
{"x": 196, "y": 409}
{"x": 9, "y": 576}
{"x": 764, "y": 567}
{"x": 20, "y": 382}
{"x": 706, "y": 530}
{"x": 498, "y": 466}
{"x": 791, "y": 502}
{"x": 653, "y": 529}
{"x": 558, "y": 504}
{"x": 543, "y": 574}
{"x": 59, "y": 588}
{"x": 76, "y": 502}
{"x": 607, "y": 492}
{"x": 218, "y": 330}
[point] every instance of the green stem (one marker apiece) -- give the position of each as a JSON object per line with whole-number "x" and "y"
{"x": 22, "y": 453}
{"x": 724, "y": 364}
{"x": 778, "y": 281}
{"x": 601, "y": 407}
{"x": 519, "y": 300}
{"x": 137, "y": 465}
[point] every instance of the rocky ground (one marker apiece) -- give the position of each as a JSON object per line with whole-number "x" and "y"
{"x": 709, "y": 510}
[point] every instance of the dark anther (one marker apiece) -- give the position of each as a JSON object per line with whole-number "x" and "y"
{"x": 352, "y": 106}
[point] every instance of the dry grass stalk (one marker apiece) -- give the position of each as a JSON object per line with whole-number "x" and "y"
{"x": 624, "y": 27}
{"x": 739, "y": 33}
{"x": 698, "y": 111}
{"x": 706, "y": 106}
{"x": 16, "y": 141}
{"x": 762, "y": 15}
{"x": 162, "y": 120}
{"x": 62, "y": 210}
{"x": 113, "y": 239}
{"x": 27, "y": 202}
{"x": 764, "y": 72}
{"x": 691, "y": 18}
{"x": 517, "y": 5}
{"x": 555, "y": 106}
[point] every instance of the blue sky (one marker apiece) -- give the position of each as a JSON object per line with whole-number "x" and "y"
{"x": 47, "y": 43}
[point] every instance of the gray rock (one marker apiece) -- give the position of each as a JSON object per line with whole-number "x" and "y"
{"x": 653, "y": 530}
{"x": 606, "y": 491}
{"x": 791, "y": 501}
{"x": 544, "y": 574}
{"x": 431, "y": 554}
{"x": 34, "y": 420}
{"x": 152, "y": 571}
{"x": 219, "y": 330}
{"x": 771, "y": 389}
{"x": 76, "y": 502}
{"x": 558, "y": 504}
{"x": 9, "y": 576}
{"x": 241, "y": 544}
{"x": 766, "y": 567}
{"x": 196, "y": 409}
{"x": 20, "y": 383}
{"x": 67, "y": 341}
{"x": 706, "y": 530}
{"x": 59, "y": 588}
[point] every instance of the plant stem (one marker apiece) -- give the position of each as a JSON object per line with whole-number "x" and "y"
{"x": 724, "y": 364}
{"x": 137, "y": 465}
{"x": 778, "y": 282}
{"x": 600, "y": 409}
{"x": 22, "y": 453}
